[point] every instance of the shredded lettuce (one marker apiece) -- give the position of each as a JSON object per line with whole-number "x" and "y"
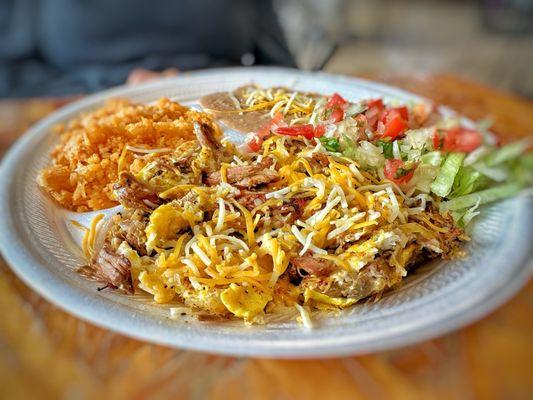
{"x": 476, "y": 155}
{"x": 355, "y": 109}
{"x": 506, "y": 153}
{"x": 464, "y": 181}
{"x": 483, "y": 197}
{"x": 444, "y": 181}
{"x": 365, "y": 153}
{"x": 498, "y": 173}
{"x": 464, "y": 217}
{"x": 521, "y": 170}
{"x": 349, "y": 147}
{"x": 424, "y": 176}
{"x": 527, "y": 161}
{"x": 432, "y": 158}
{"x": 468, "y": 180}
{"x": 470, "y": 214}
{"x": 420, "y": 138}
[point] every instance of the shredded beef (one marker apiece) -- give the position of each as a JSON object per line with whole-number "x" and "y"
{"x": 245, "y": 176}
{"x": 132, "y": 193}
{"x": 110, "y": 268}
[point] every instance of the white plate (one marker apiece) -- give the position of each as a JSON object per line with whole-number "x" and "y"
{"x": 435, "y": 299}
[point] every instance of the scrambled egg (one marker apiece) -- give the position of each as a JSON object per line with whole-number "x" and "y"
{"x": 244, "y": 302}
{"x": 204, "y": 298}
{"x": 360, "y": 254}
{"x": 167, "y": 221}
{"x": 312, "y": 295}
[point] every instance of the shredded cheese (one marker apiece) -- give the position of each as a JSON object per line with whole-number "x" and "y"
{"x": 90, "y": 235}
{"x": 304, "y": 316}
{"x": 304, "y": 241}
{"x": 249, "y": 223}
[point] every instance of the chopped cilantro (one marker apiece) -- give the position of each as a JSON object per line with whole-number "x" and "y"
{"x": 386, "y": 145}
{"x": 400, "y": 172}
{"x": 331, "y": 144}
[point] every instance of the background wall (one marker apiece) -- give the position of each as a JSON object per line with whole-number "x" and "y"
{"x": 490, "y": 41}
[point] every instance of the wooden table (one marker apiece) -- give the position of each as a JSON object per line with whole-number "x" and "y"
{"x": 47, "y": 353}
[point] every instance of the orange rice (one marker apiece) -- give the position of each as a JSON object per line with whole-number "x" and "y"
{"x": 85, "y": 163}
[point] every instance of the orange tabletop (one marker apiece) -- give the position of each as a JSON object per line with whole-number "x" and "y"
{"x": 47, "y": 353}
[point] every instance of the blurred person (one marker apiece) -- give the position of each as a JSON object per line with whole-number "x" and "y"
{"x": 57, "y": 47}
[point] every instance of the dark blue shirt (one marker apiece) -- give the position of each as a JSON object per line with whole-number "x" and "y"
{"x": 53, "y": 47}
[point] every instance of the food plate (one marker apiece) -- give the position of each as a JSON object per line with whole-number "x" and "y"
{"x": 36, "y": 241}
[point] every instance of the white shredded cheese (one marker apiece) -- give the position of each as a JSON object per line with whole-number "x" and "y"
{"x": 200, "y": 253}
{"x": 308, "y": 242}
{"x": 189, "y": 263}
{"x": 302, "y": 224}
{"x": 373, "y": 215}
{"x": 195, "y": 284}
{"x": 356, "y": 173}
{"x": 338, "y": 231}
{"x": 234, "y": 100}
{"x": 318, "y": 217}
{"x": 237, "y": 160}
{"x": 289, "y": 103}
{"x": 303, "y": 240}
{"x": 337, "y": 191}
{"x": 311, "y": 182}
{"x": 304, "y": 316}
{"x": 395, "y": 207}
{"x": 275, "y": 109}
{"x": 278, "y": 194}
{"x": 221, "y": 215}
{"x": 189, "y": 244}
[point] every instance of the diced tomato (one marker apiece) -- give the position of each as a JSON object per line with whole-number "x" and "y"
{"x": 335, "y": 105}
{"x": 336, "y": 101}
{"x": 457, "y": 139}
{"x": 374, "y": 112}
{"x": 436, "y": 140}
{"x": 264, "y": 131}
{"x": 394, "y": 171}
{"x": 394, "y": 127}
{"x": 394, "y": 124}
{"x": 320, "y": 130}
{"x": 404, "y": 112}
{"x": 255, "y": 143}
{"x": 462, "y": 140}
{"x": 375, "y": 103}
{"x": 372, "y": 117}
{"x": 307, "y": 131}
{"x": 256, "y": 140}
{"x": 337, "y": 115}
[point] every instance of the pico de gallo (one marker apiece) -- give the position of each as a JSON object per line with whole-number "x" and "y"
{"x": 415, "y": 146}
